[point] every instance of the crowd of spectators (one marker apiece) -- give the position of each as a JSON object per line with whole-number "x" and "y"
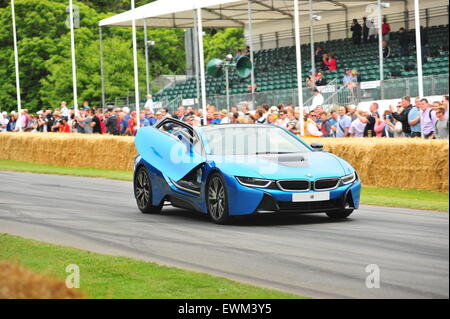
{"x": 365, "y": 33}
{"x": 418, "y": 118}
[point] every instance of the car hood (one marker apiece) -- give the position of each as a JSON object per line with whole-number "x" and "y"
{"x": 311, "y": 165}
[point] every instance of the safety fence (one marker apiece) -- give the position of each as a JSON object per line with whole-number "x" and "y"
{"x": 334, "y": 94}
{"x": 337, "y": 94}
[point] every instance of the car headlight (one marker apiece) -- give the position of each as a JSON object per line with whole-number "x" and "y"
{"x": 254, "y": 182}
{"x": 348, "y": 179}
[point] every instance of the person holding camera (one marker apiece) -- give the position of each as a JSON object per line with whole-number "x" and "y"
{"x": 79, "y": 123}
{"x": 57, "y": 122}
{"x": 88, "y": 122}
{"x": 401, "y": 115}
{"x": 330, "y": 61}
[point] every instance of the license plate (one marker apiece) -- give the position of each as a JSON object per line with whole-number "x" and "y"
{"x": 310, "y": 197}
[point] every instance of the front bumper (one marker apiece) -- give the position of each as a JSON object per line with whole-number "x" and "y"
{"x": 346, "y": 197}
{"x": 244, "y": 200}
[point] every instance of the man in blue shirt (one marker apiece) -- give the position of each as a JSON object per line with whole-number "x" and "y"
{"x": 123, "y": 124}
{"x": 143, "y": 120}
{"x": 217, "y": 119}
{"x": 428, "y": 119}
{"x": 344, "y": 122}
{"x": 414, "y": 120}
{"x": 149, "y": 116}
{"x": 333, "y": 122}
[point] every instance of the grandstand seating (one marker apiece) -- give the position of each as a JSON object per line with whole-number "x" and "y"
{"x": 275, "y": 69}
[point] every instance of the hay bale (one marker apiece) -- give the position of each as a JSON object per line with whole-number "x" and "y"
{"x": 74, "y": 150}
{"x": 400, "y": 162}
{"x": 17, "y": 282}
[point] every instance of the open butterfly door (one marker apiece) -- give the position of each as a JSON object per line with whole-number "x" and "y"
{"x": 170, "y": 151}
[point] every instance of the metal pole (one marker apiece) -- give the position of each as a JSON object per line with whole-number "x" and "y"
{"x": 136, "y": 70}
{"x": 250, "y": 31}
{"x": 299, "y": 65}
{"x": 16, "y": 60}
{"x": 227, "y": 89}
{"x": 313, "y": 60}
{"x": 74, "y": 66}
{"x": 202, "y": 64}
{"x": 418, "y": 48}
{"x": 380, "y": 48}
{"x": 147, "y": 69}
{"x": 196, "y": 56}
{"x": 102, "y": 70}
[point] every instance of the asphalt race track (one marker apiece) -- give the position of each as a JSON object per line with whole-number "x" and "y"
{"x": 307, "y": 254}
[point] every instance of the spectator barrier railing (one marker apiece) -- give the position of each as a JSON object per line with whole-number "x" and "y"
{"x": 274, "y": 97}
{"x": 334, "y": 94}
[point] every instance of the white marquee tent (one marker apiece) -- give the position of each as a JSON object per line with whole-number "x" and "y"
{"x": 220, "y": 13}
{"x": 238, "y": 13}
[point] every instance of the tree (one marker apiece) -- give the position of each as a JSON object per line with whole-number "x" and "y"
{"x": 45, "y": 52}
{"x": 45, "y": 55}
{"x": 223, "y": 42}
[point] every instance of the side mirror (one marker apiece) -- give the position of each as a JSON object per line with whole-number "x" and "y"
{"x": 317, "y": 147}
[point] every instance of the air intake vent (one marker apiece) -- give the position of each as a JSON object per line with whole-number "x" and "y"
{"x": 295, "y": 185}
{"x": 327, "y": 183}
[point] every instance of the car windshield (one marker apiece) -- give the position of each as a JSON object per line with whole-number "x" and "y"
{"x": 252, "y": 141}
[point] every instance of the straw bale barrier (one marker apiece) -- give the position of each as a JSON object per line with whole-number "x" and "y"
{"x": 402, "y": 163}
{"x": 17, "y": 282}
{"x": 75, "y": 150}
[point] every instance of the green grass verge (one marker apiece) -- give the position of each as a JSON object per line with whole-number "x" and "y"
{"x": 104, "y": 276}
{"x": 17, "y": 166}
{"x": 393, "y": 197}
{"x": 408, "y": 198}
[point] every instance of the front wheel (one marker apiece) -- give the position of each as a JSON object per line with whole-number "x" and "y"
{"x": 340, "y": 214}
{"x": 217, "y": 200}
{"x": 143, "y": 192}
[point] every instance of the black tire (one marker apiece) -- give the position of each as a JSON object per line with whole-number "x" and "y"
{"x": 217, "y": 200}
{"x": 143, "y": 192}
{"x": 340, "y": 214}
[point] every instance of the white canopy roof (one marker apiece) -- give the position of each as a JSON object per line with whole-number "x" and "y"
{"x": 219, "y": 13}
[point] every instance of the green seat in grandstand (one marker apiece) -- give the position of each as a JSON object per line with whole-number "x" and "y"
{"x": 275, "y": 68}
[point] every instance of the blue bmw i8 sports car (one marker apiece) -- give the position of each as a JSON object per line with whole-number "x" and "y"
{"x": 239, "y": 169}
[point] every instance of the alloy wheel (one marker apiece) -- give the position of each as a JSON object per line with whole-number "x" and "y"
{"x": 216, "y": 198}
{"x": 142, "y": 189}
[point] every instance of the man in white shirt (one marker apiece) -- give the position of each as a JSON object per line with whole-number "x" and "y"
{"x": 3, "y": 121}
{"x": 149, "y": 103}
{"x": 64, "y": 110}
{"x": 445, "y": 105}
{"x": 317, "y": 100}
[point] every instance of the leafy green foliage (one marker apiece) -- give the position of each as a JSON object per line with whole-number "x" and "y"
{"x": 45, "y": 52}
{"x": 223, "y": 42}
